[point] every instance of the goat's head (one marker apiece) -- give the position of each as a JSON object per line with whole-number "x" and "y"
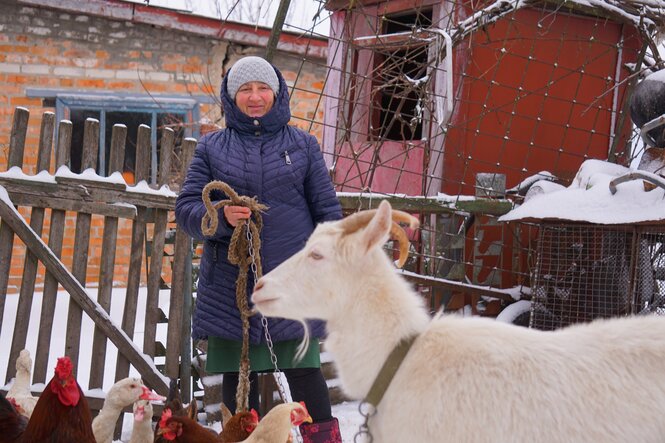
{"x": 340, "y": 261}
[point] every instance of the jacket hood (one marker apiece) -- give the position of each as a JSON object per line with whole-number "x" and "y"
{"x": 278, "y": 116}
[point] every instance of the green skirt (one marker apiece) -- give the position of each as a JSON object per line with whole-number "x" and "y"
{"x": 224, "y": 356}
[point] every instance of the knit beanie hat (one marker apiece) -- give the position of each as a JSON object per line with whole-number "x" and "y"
{"x": 251, "y": 69}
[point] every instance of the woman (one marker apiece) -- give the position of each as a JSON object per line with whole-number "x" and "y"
{"x": 258, "y": 154}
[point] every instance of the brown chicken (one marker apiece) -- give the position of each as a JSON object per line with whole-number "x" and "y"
{"x": 237, "y": 427}
{"x": 12, "y": 424}
{"x": 182, "y": 429}
{"x": 61, "y": 413}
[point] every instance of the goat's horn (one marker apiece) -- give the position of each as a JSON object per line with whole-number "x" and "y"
{"x": 354, "y": 222}
{"x": 398, "y": 234}
{"x": 360, "y": 219}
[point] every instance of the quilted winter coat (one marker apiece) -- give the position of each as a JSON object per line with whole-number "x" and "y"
{"x": 284, "y": 168}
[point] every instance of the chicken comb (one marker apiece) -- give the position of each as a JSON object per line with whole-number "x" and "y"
{"x": 64, "y": 367}
{"x": 255, "y": 415}
{"x": 302, "y": 403}
{"x": 166, "y": 414}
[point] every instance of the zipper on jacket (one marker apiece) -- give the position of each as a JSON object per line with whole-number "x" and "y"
{"x": 285, "y": 154}
{"x": 214, "y": 251}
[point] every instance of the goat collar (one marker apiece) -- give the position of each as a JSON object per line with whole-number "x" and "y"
{"x": 388, "y": 371}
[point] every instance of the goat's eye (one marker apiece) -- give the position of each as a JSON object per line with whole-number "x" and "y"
{"x": 315, "y": 255}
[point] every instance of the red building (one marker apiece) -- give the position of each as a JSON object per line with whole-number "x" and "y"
{"x": 426, "y": 94}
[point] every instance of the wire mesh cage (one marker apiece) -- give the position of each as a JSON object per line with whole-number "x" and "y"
{"x": 584, "y": 272}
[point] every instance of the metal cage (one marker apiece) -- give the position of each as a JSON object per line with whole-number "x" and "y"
{"x": 587, "y": 271}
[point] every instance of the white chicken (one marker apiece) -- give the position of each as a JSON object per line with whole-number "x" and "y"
{"x": 142, "y": 430}
{"x": 121, "y": 395}
{"x": 276, "y": 426}
{"x": 20, "y": 392}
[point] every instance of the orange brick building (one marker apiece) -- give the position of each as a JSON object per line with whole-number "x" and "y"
{"x": 128, "y": 63}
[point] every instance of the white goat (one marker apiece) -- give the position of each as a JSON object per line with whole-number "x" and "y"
{"x": 467, "y": 380}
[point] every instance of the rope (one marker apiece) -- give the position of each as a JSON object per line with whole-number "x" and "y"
{"x": 238, "y": 255}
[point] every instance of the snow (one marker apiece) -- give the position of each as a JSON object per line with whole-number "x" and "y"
{"x": 89, "y": 175}
{"x": 347, "y": 413}
{"x": 588, "y": 199}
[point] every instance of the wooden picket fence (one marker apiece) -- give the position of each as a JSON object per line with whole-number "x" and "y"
{"x": 147, "y": 212}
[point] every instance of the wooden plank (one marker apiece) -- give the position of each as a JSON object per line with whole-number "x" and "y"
{"x": 16, "y": 148}
{"x": 157, "y": 250}
{"x": 81, "y": 244}
{"x": 63, "y": 204}
{"x": 143, "y": 149}
{"x": 106, "y": 267}
{"x": 76, "y": 181}
{"x": 426, "y": 205}
{"x": 179, "y": 305}
{"x": 55, "y": 237}
{"x": 154, "y": 279}
{"x": 77, "y": 292}
{"x": 30, "y": 264}
{"x": 141, "y": 172}
{"x": 166, "y": 156}
{"x": 75, "y": 189}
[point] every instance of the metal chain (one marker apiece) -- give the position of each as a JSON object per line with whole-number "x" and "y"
{"x": 264, "y": 323}
{"x": 366, "y": 410}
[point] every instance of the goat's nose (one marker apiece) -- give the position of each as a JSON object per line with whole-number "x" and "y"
{"x": 258, "y": 285}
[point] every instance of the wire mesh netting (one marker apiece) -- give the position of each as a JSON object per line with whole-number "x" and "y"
{"x": 457, "y": 101}
{"x": 585, "y": 272}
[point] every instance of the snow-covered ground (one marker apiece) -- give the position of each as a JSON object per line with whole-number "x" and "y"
{"x": 347, "y": 413}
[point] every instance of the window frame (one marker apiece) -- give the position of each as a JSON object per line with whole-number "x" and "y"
{"x": 103, "y": 103}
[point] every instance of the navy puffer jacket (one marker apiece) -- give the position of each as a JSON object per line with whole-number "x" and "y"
{"x": 284, "y": 168}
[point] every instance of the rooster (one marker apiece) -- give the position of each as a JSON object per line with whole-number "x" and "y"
{"x": 182, "y": 429}
{"x": 237, "y": 427}
{"x": 19, "y": 392}
{"x": 276, "y": 426}
{"x": 121, "y": 395}
{"x": 61, "y": 413}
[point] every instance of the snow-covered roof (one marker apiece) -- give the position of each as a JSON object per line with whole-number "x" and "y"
{"x": 590, "y": 199}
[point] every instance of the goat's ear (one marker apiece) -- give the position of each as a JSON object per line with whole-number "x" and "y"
{"x": 377, "y": 230}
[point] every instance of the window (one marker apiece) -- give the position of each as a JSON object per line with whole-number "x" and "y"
{"x": 176, "y": 113}
{"x": 398, "y": 67}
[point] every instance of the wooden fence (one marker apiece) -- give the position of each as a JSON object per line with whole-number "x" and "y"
{"x": 146, "y": 209}
{"x": 55, "y": 194}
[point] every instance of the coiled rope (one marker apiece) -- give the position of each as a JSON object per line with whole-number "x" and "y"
{"x": 239, "y": 254}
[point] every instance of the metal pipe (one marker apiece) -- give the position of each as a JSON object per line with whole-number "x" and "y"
{"x": 636, "y": 175}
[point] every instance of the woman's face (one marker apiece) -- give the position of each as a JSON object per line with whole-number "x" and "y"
{"x": 255, "y": 99}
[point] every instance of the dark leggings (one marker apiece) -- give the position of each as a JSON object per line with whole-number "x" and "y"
{"x": 305, "y": 384}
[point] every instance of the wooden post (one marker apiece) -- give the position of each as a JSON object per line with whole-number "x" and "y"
{"x": 16, "y": 148}
{"x": 116, "y": 162}
{"x": 277, "y": 26}
{"x": 30, "y": 264}
{"x": 157, "y": 251}
{"x": 179, "y": 289}
{"x": 81, "y": 243}
{"x": 141, "y": 173}
{"x": 55, "y": 237}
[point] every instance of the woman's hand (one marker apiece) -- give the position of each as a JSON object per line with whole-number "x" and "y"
{"x": 233, "y": 214}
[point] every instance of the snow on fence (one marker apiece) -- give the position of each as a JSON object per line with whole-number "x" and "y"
{"x": 28, "y": 201}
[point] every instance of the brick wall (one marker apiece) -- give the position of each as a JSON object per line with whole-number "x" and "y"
{"x": 48, "y": 49}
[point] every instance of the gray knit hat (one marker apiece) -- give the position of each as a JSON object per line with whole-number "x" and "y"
{"x": 251, "y": 69}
